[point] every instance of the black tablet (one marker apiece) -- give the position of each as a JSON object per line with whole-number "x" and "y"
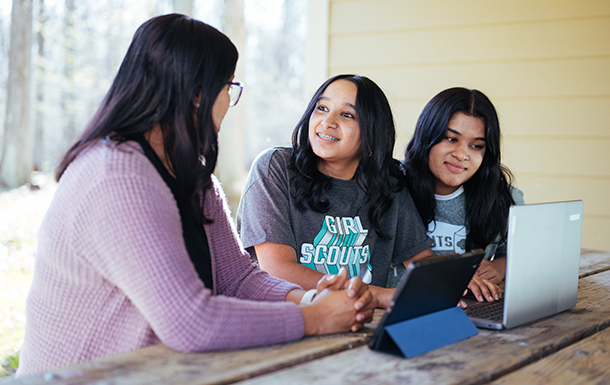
{"x": 428, "y": 286}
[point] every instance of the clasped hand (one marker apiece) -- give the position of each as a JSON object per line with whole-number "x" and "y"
{"x": 340, "y": 305}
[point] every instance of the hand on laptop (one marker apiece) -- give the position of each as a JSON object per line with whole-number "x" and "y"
{"x": 493, "y": 271}
{"x": 482, "y": 290}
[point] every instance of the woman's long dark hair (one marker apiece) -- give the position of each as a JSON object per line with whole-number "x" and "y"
{"x": 487, "y": 193}
{"x": 172, "y": 60}
{"x": 379, "y": 175}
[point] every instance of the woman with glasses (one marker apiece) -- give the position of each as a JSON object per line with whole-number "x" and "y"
{"x": 138, "y": 247}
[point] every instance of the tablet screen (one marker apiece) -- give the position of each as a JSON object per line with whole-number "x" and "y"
{"x": 430, "y": 285}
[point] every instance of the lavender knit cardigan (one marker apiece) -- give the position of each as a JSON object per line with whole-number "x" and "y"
{"x": 113, "y": 274}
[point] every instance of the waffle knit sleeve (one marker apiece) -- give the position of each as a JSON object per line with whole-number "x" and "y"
{"x": 134, "y": 239}
{"x": 235, "y": 275}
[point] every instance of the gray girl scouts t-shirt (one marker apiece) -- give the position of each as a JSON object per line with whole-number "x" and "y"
{"x": 341, "y": 237}
{"x": 449, "y": 229}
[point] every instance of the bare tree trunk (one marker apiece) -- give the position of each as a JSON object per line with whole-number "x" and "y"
{"x": 67, "y": 98}
{"x": 114, "y": 37}
{"x": 231, "y": 170}
{"x": 16, "y": 162}
{"x": 184, "y": 7}
{"x": 38, "y": 124}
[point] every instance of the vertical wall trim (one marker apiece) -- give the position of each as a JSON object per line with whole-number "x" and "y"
{"x": 318, "y": 36}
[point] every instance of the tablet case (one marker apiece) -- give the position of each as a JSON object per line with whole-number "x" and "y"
{"x": 424, "y": 315}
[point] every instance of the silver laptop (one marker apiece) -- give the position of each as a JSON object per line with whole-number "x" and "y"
{"x": 542, "y": 265}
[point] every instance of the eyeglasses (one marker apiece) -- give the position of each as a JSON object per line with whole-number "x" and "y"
{"x": 235, "y": 90}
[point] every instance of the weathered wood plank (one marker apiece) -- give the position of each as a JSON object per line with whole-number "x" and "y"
{"x": 593, "y": 262}
{"x": 478, "y": 357}
{"x": 476, "y": 360}
{"x": 585, "y": 362}
{"x": 161, "y": 365}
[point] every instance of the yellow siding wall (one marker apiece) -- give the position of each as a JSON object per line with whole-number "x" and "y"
{"x": 544, "y": 64}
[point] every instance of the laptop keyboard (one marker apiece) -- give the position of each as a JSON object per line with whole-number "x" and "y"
{"x": 493, "y": 311}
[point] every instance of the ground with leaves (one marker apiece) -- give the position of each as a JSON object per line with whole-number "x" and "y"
{"x": 21, "y": 212}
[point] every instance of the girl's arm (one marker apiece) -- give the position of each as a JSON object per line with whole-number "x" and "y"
{"x": 281, "y": 261}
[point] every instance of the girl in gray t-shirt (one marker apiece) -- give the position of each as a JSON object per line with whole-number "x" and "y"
{"x": 337, "y": 198}
{"x": 458, "y": 183}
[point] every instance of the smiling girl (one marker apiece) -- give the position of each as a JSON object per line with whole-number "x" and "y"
{"x": 459, "y": 185}
{"x": 337, "y": 197}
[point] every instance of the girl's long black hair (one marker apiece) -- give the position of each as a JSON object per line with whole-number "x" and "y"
{"x": 487, "y": 193}
{"x": 379, "y": 175}
{"x": 172, "y": 60}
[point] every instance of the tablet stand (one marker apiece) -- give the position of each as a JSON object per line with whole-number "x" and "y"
{"x": 419, "y": 335}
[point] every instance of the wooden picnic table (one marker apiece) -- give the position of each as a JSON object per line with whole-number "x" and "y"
{"x": 569, "y": 347}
